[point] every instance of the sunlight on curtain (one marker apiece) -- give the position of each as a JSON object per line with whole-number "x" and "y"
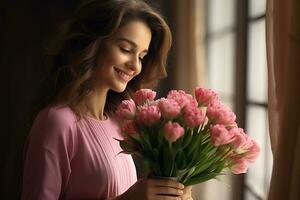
{"x": 259, "y": 175}
{"x": 257, "y": 63}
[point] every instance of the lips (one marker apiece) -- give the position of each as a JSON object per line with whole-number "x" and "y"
{"x": 123, "y": 75}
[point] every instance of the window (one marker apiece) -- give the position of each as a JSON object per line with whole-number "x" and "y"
{"x": 236, "y": 62}
{"x": 221, "y": 48}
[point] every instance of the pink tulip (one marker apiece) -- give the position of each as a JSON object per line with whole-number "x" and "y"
{"x": 239, "y": 166}
{"x": 240, "y": 138}
{"x": 130, "y": 128}
{"x": 126, "y": 109}
{"x": 241, "y": 141}
{"x": 193, "y": 116}
{"x": 220, "y": 135}
{"x": 142, "y": 95}
{"x": 205, "y": 96}
{"x": 219, "y": 113}
{"x": 182, "y": 98}
{"x": 169, "y": 108}
{"x": 173, "y": 131}
{"x": 192, "y": 101}
{"x": 148, "y": 115}
{"x": 253, "y": 152}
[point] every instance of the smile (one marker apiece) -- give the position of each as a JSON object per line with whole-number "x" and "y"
{"x": 124, "y": 76}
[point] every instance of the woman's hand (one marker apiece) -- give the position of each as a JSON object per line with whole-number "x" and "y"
{"x": 157, "y": 189}
{"x": 187, "y": 193}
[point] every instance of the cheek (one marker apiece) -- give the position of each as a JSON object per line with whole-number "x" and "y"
{"x": 114, "y": 57}
{"x": 109, "y": 57}
{"x": 140, "y": 71}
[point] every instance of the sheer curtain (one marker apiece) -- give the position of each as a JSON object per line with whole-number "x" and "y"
{"x": 283, "y": 54}
{"x": 187, "y": 56}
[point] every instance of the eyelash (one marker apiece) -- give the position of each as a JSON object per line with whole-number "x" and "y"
{"x": 125, "y": 50}
{"x": 128, "y": 51}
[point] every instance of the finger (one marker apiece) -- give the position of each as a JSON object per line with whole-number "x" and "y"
{"x": 187, "y": 194}
{"x": 186, "y": 198}
{"x": 168, "y": 183}
{"x": 166, "y": 198}
{"x": 167, "y": 191}
{"x": 187, "y": 190}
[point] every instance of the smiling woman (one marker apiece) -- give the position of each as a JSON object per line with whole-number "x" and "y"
{"x": 121, "y": 56}
{"x": 108, "y": 49}
{"x": 87, "y": 36}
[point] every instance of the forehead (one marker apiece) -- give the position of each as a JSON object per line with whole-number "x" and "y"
{"x": 137, "y": 32}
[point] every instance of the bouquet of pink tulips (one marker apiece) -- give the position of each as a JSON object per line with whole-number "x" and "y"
{"x": 192, "y": 139}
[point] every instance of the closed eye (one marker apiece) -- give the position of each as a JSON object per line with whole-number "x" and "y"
{"x": 125, "y": 50}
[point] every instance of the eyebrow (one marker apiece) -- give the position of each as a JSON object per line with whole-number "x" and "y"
{"x": 132, "y": 43}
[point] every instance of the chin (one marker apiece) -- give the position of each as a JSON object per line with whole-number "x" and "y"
{"x": 119, "y": 89}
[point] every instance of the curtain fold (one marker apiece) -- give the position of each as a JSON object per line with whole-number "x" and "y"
{"x": 188, "y": 45}
{"x": 283, "y": 56}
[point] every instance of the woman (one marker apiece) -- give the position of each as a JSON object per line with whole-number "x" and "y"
{"x": 110, "y": 49}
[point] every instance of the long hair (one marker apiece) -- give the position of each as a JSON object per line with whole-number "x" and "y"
{"x": 73, "y": 60}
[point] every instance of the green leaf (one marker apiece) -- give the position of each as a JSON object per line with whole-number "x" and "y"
{"x": 135, "y": 140}
{"x": 126, "y": 146}
{"x": 199, "y": 179}
{"x": 187, "y": 139}
{"x": 196, "y": 138}
{"x": 146, "y": 145}
{"x": 180, "y": 159}
{"x": 188, "y": 175}
{"x": 167, "y": 160}
{"x": 178, "y": 144}
{"x": 203, "y": 166}
{"x": 155, "y": 153}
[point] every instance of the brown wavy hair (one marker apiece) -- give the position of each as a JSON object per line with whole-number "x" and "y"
{"x": 73, "y": 60}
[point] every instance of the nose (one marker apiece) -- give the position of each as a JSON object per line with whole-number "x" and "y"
{"x": 134, "y": 63}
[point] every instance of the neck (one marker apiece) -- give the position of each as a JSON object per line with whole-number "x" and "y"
{"x": 94, "y": 104}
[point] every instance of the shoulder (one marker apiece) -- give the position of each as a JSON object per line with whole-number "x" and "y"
{"x": 55, "y": 121}
{"x": 54, "y": 125}
{"x": 57, "y": 115}
{"x": 54, "y": 131}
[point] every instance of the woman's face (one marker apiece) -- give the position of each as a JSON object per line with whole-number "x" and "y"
{"x": 121, "y": 56}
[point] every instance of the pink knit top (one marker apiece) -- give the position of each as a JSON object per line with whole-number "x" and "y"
{"x": 71, "y": 159}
